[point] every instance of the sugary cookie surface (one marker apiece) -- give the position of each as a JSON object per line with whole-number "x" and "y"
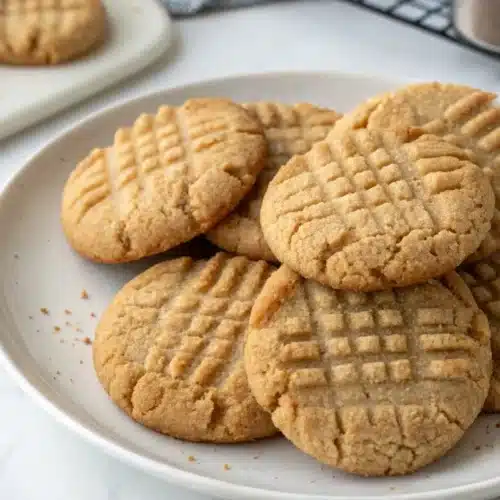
{"x": 369, "y": 209}
{"x": 483, "y": 278}
{"x": 49, "y": 31}
{"x": 289, "y": 130}
{"x": 462, "y": 115}
{"x": 166, "y": 179}
{"x": 376, "y": 383}
{"x": 169, "y": 349}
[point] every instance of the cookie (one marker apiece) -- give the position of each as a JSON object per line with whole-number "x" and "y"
{"x": 462, "y": 115}
{"x": 169, "y": 349}
{"x": 376, "y": 383}
{"x": 483, "y": 278}
{"x": 371, "y": 209}
{"x": 49, "y": 31}
{"x": 289, "y": 130}
{"x": 168, "y": 178}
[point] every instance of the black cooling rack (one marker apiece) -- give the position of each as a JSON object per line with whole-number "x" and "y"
{"x": 433, "y": 16}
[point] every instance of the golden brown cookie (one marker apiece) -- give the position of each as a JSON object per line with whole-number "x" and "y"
{"x": 49, "y": 31}
{"x": 462, "y": 115}
{"x": 375, "y": 384}
{"x": 168, "y": 178}
{"x": 289, "y": 130}
{"x": 483, "y": 278}
{"x": 372, "y": 209}
{"x": 169, "y": 349}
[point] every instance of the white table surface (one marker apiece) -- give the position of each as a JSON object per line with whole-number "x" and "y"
{"x": 41, "y": 459}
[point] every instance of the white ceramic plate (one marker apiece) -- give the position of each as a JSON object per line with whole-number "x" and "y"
{"x": 38, "y": 269}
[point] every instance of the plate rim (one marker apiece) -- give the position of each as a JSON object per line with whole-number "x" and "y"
{"x": 178, "y": 477}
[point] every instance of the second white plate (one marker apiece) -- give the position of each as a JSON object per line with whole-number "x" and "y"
{"x": 30, "y": 93}
{"x": 38, "y": 270}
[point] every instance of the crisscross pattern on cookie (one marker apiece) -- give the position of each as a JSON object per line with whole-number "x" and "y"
{"x": 369, "y": 189}
{"x": 196, "y": 316}
{"x": 461, "y": 115}
{"x": 172, "y": 342}
{"x": 289, "y": 130}
{"x": 472, "y": 123}
{"x": 363, "y": 381}
{"x": 483, "y": 278}
{"x": 204, "y": 322}
{"x": 175, "y": 173}
{"x": 42, "y": 7}
{"x": 354, "y": 339}
{"x": 48, "y": 30}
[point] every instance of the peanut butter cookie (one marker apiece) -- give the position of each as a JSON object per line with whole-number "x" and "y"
{"x": 370, "y": 209}
{"x": 49, "y": 31}
{"x": 169, "y": 349}
{"x": 168, "y": 178}
{"x": 376, "y": 383}
{"x": 289, "y": 130}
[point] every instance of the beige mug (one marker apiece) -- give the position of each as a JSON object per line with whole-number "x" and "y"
{"x": 478, "y": 22}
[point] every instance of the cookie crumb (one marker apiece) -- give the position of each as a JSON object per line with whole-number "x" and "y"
{"x": 92, "y": 315}
{"x": 57, "y": 329}
{"x": 497, "y": 425}
{"x": 256, "y": 457}
{"x": 79, "y": 330}
{"x": 67, "y": 323}
{"x": 81, "y": 361}
{"x": 58, "y": 372}
{"x": 84, "y": 295}
{"x": 38, "y": 331}
{"x": 30, "y": 317}
{"x": 227, "y": 467}
{"x": 16, "y": 256}
{"x": 86, "y": 340}
{"x": 191, "y": 458}
{"x": 45, "y": 311}
{"x": 71, "y": 380}
{"x": 67, "y": 311}
{"x": 477, "y": 448}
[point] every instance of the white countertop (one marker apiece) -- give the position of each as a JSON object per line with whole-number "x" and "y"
{"x": 39, "y": 458}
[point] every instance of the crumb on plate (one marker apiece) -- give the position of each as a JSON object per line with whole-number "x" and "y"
{"x": 45, "y": 311}
{"x": 84, "y": 294}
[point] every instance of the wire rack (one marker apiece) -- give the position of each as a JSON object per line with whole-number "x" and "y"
{"x": 433, "y": 16}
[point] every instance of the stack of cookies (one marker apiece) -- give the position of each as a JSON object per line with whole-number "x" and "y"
{"x": 369, "y": 347}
